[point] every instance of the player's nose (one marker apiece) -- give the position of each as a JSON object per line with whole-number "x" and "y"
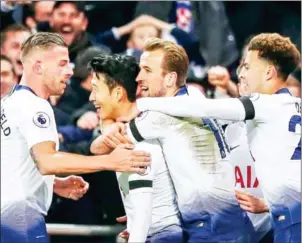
{"x": 69, "y": 71}
{"x": 139, "y": 77}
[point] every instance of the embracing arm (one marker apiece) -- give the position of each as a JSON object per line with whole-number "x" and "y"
{"x": 186, "y": 106}
{"x": 49, "y": 161}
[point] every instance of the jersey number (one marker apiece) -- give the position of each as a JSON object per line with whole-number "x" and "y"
{"x": 293, "y": 122}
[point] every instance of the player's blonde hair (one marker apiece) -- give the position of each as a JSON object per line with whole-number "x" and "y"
{"x": 175, "y": 58}
{"x": 278, "y": 50}
{"x": 42, "y": 41}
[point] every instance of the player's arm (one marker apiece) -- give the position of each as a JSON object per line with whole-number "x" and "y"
{"x": 112, "y": 136}
{"x": 142, "y": 220}
{"x": 123, "y": 158}
{"x": 141, "y": 196}
{"x": 186, "y": 106}
{"x": 39, "y": 130}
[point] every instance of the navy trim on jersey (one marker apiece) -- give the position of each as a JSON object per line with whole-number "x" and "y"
{"x": 283, "y": 91}
{"x": 138, "y": 137}
{"x": 213, "y": 125}
{"x": 248, "y": 107}
{"x": 11, "y": 91}
{"x": 20, "y": 87}
{"x": 182, "y": 91}
{"x": 140, "y": 184}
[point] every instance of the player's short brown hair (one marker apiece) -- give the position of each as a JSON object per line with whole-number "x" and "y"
{"x": 278, "y": 50}
{"x": 41, "y": 40}
{"x": 175, "y": 57}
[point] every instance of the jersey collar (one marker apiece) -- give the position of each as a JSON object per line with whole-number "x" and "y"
{"x": 182, "y": 91}
{"x": 283, "y": 91}
{"x": 20, "y": 87}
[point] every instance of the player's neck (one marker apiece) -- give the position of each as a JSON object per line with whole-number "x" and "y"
{"x": 36, "y": 86}
{"x": 125, "y": 108}
{"x": 172, "y": 92}
{"x": 278, "y": 84}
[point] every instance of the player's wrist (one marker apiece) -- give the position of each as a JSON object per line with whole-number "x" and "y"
{"x": 264, "y": 207}
{"x": 105, "y": 163}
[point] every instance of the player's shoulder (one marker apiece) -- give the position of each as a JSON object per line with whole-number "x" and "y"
{"x": 273, "y": 99}
{"x": 23, "y": 103}
{"x": 29, "y": 101}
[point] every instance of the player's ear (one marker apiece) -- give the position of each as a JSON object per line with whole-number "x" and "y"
{"x": 118, "y": 93}
{"x": 271, "y": 72}
{"x": 170, "y": 79}
{"x": 38, "y": 68}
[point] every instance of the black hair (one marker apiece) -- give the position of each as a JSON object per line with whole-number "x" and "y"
{"x": 118, "y": 70}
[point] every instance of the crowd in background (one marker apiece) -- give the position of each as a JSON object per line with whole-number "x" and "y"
{"x": 214, "y": 35}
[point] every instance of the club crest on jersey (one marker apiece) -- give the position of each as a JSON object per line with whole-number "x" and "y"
{"x": 148, "y": 169}
{"x": 41, "y": 119}
{"x": 142, "y": 115}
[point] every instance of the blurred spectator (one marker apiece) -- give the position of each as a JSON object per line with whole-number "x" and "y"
{"x": 11, "y": 41}
{"x": 250, "y": 18}
{"x": 38, "y": 13}
{"x": 136, "y": 32}
{"x": 12, "y": 12}
{"x": 223, "y": 80}
{"x": 294, "y": 82}
{"x": 210, "y": 24}
{"x": 69, "y": 20}
{"x": 8, "y": 75}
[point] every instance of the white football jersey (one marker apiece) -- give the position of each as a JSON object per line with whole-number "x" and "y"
{"x": 156, "y": 180}
{"x": 26, "y": 120}
{"x": 244, "y": 169}
{"x": 274, "y": 137}
{"x": 197, "y": 158}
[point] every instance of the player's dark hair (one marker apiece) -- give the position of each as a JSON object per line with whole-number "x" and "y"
{"x": 118, "y": 70}
{"x": 278, "y": 50}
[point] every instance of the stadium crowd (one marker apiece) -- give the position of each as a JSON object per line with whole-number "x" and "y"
{"x": 215, "y": 36}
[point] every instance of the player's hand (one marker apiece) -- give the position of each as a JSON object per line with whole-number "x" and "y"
{"x": 72, "y": 187}
{"x": 116, "y": 135}
{"x": 134, "y": 112}
{"x": 219, "y": 76}
{"x": 250, "y": 203}
{"x": 88, "y": 120}
{"x": 122, "y": 219}
{"x": 124, "y": 234}
{"x": 125, "y": 159}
